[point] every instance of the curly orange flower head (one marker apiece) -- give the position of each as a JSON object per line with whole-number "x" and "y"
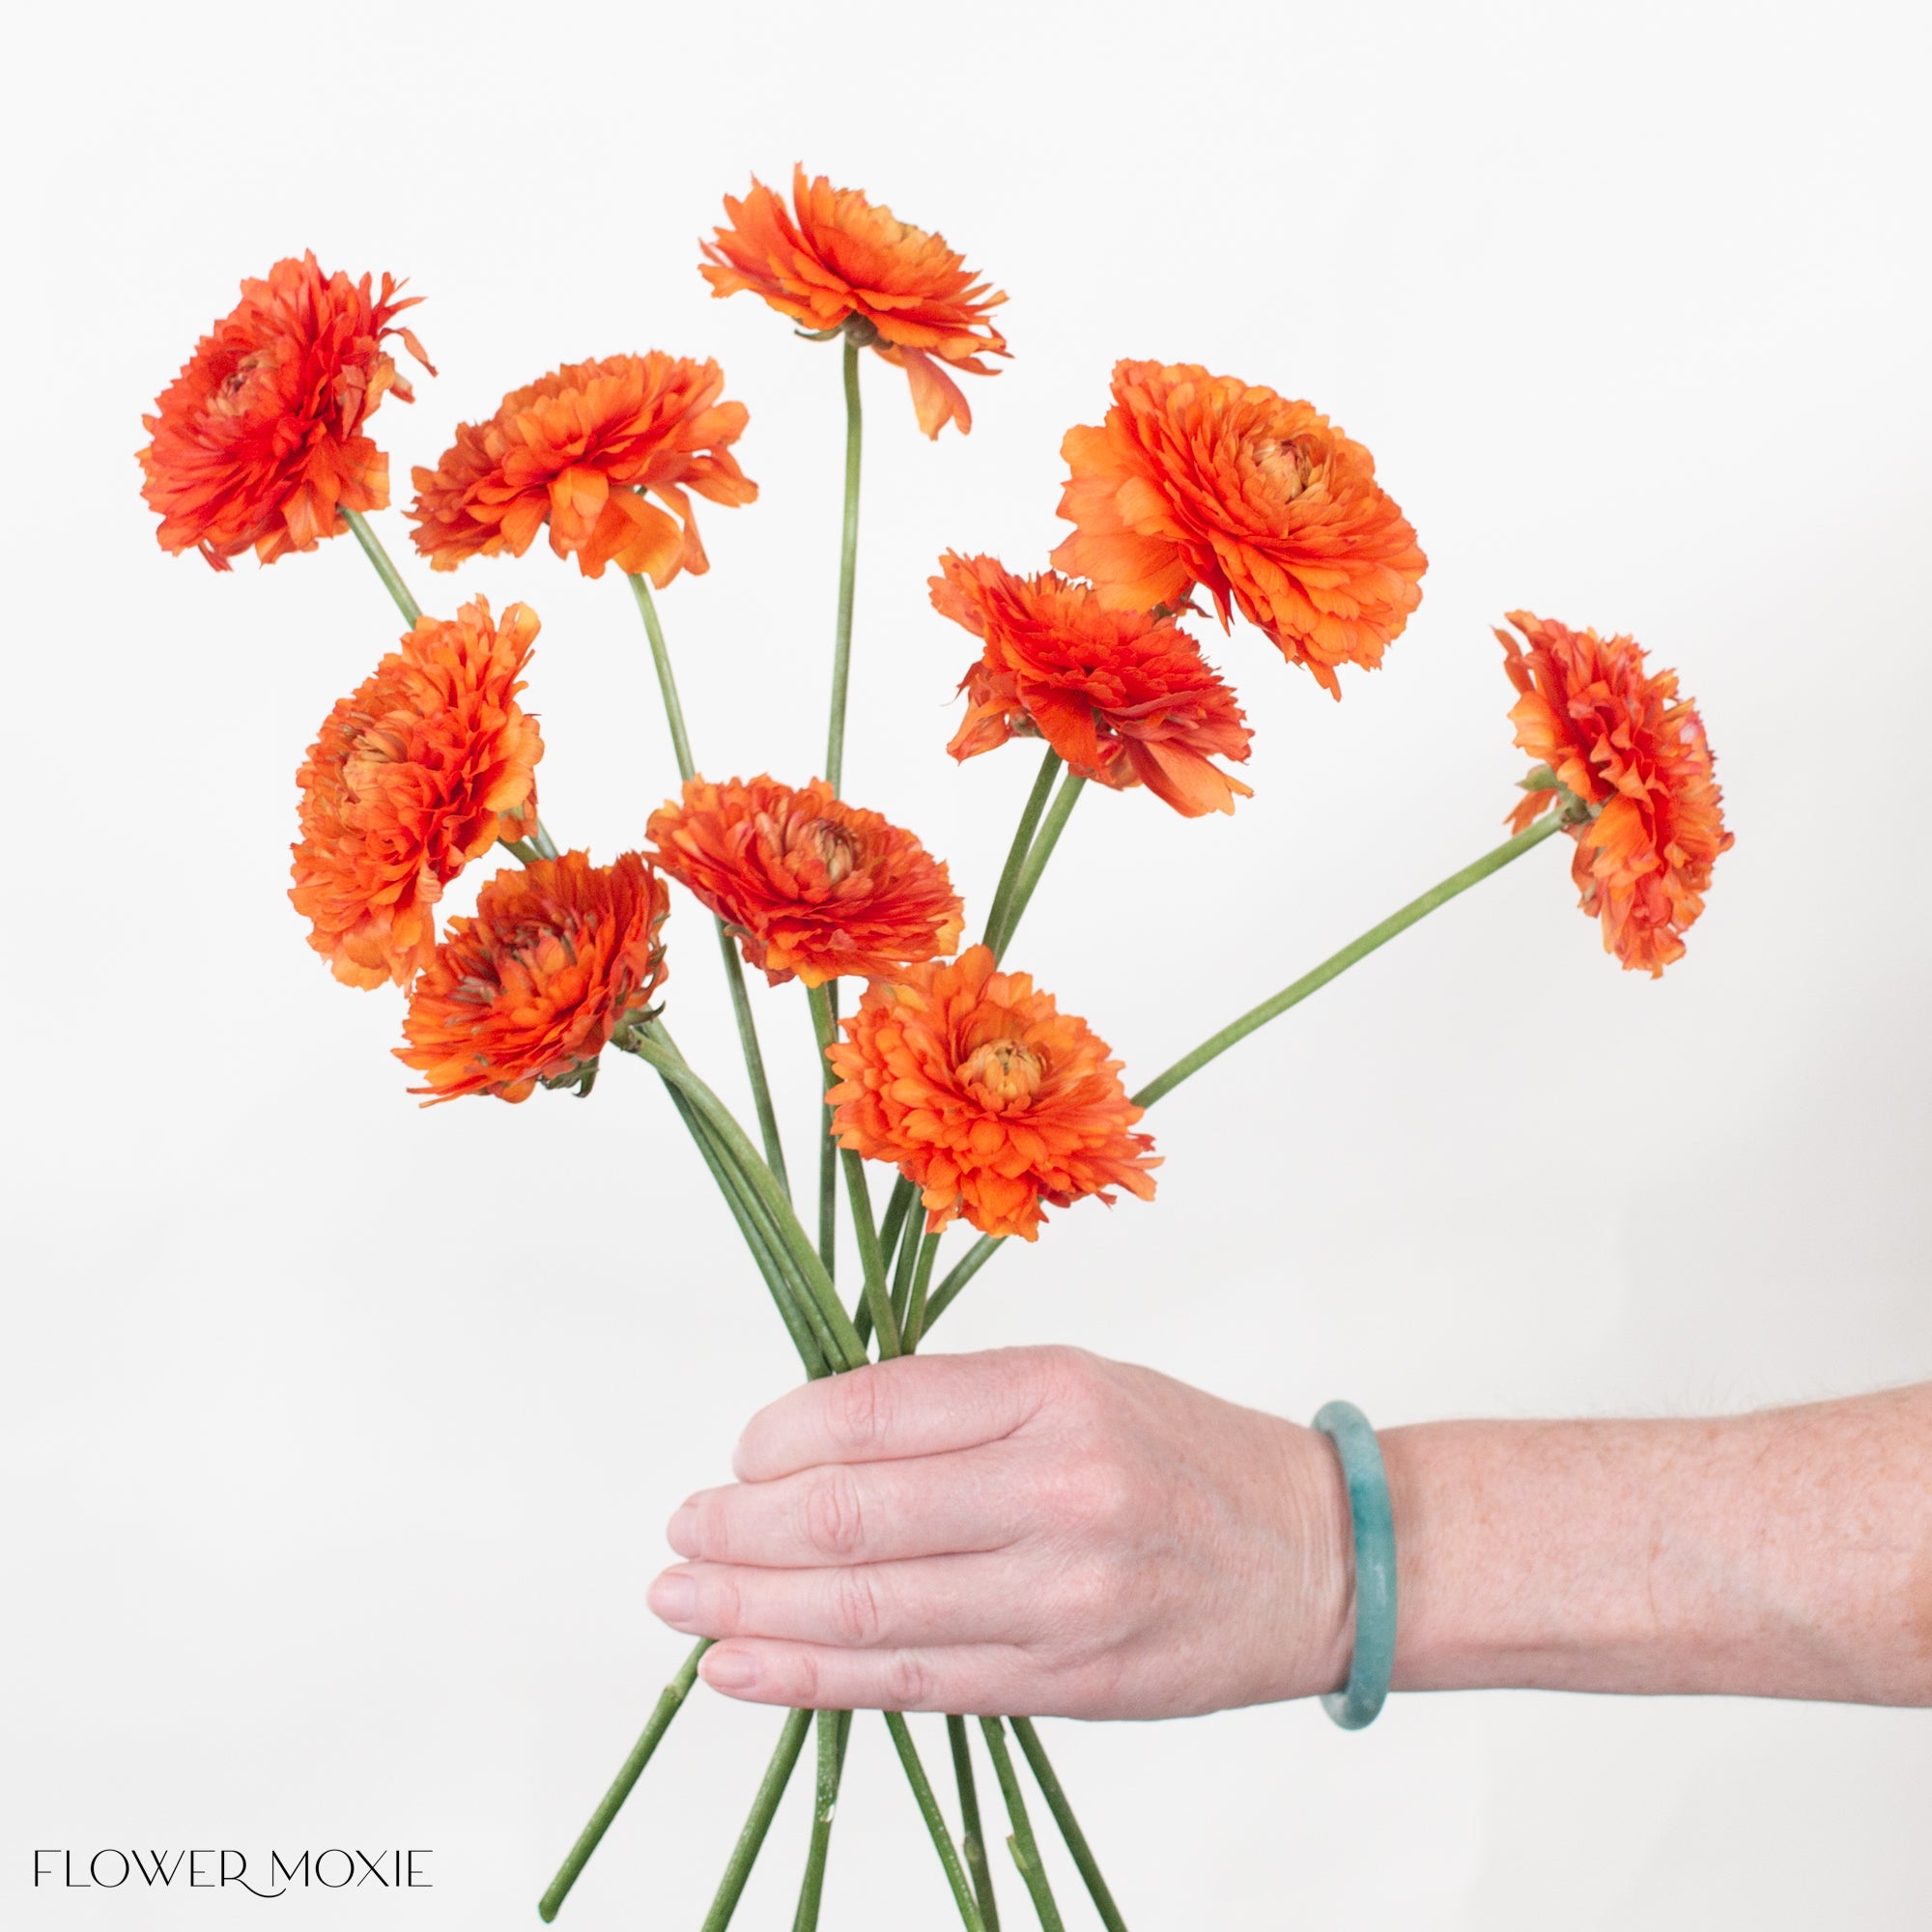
{"x": 534, "y": 985}
{"x": 1620, "y": 739}
{"x": 988, "y": 1096}
{"x": 833, "y": 260}
{"x": 415, "y": 774}
{"x": 1200, "y": 479}
{"x": 813, "y": 887}
{"x": 1122, "y": 696}
{"x": 579, "y": 449}
{"x": 258, "y": 443}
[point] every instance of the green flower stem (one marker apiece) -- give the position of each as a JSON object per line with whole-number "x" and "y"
{"x": 1026, "y": 1853}
{"x": 734, "y": 971}
{"x": 1338, "y": 963}
{"x": 521, "y": 850}
{"x": 744, "y": 1210}
{"x": 668, "y": 1706}
{"x": 981, "y": 1251}
{"x": 871, "y": 1260}
{"x": 916, "y": 1315}
{"x": 834, "y": 1728}
{"x": 751, "y": 1838}
{"x": 1039, "y": 852}
{"x": 828, "y": 1148}
{"x": 962, "y": 1272}
{"x": 899, "y": 1205}
{"x": 848, "y": 570}
{"x": 386, "y": 569}
{"x": 971, "y": 1840}
{"x": 542, "y": 843}
{"x": 935, "y": 1822}
{"x": 1017, "y": 852}
{"x": 905, "y": 1268}
{"x": 847, "y": 1350}
{"x": 1069, "y": 1824}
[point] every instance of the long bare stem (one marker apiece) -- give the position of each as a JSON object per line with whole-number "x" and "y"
{"x": 386, "y": 569}
{"x": 734, "y": 971}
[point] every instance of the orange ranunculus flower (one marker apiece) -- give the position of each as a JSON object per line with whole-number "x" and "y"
{"x": 258, "y": 443}
{"x": 579, "y": 449}
{"x": 1122, "y": 696}
{"x": 534, "y": 985}
{"x": 834, "y": 260}
{"x": 1620, "y": 739}
{"x": 415, "y": 775}
{"x": 1200, "y": 479}
{"x": 988, "y": 1096}
{"x": 813, "y": 887}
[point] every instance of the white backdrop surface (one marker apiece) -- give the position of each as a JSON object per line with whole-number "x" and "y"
{"x": 339, "y": 1436}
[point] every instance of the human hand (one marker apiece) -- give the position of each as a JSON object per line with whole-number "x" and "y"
{"x": 1032, "y": 1530}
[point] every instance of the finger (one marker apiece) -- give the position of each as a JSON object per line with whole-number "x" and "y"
{"x": 861, "y": 1512}
{"x": 934, "y": 1603}
{"x": 913, "y": 1406}
{"x": 977, "y": 1680}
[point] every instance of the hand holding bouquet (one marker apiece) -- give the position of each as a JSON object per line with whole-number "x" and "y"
{"x": 1197, "y": 497}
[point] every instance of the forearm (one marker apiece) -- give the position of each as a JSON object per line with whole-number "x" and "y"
{"x": 1787, "y": 1553}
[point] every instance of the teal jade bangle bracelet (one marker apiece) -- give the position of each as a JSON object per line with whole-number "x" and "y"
{"x": 1374, "y": 1520}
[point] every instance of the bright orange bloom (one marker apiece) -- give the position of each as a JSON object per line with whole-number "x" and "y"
{"x": 415, "y": 775}
{"x": 988, "y": 1096}
{"x": 577, "y": 449}
{"x": 1200, "y": 479}
{"x": 1620, "y": 739}
{"x": 258, "y": 444}
{"x": 833, "y": 260}
{"x": 534, "y": 985}
{"x": 813, "y": 887}
{"x": 1122, "y": 696}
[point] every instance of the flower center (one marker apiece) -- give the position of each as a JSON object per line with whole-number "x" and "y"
{"x": 1005, "y": 1071}
{"x": 1285, "y": 465}
{"x": 231, "y": 397}
{"x": 837, "y": 849}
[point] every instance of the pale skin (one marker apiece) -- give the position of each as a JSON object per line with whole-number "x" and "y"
{"x": 1041, "y": 1530}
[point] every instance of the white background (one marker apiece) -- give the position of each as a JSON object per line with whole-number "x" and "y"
{"x": 339, "y": 1437}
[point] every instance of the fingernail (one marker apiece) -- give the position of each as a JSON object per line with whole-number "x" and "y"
{"x": 673, "y": 1597}
{"x": 729, "y": 1670}
{"x": 679, "y": 1532}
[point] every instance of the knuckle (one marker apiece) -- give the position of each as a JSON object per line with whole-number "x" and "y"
{"x": 833, "y": 1519}
{"x": 908, "y": 1682}
{"x": 857, "y": 1614}
{"x": 859, "y": 1408}
{"x": 1073, "y": 1382}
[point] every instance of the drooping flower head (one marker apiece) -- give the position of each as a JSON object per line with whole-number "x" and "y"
{"x": 534, "y": 985}
{"x": 415, "y": 774}
{"x": 258, "y": 444}
{"x": 1122, "y": 696}
{"x": 813, "y": 887}
{"x": 577, "y": 449}
{"x": 989, "y": 1097}
{"x": 1199, "y": 479}
{"x": 1621, "y": 740}
{"x": 833, "y": 260}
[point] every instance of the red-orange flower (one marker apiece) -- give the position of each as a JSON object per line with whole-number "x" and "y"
{"x": 413, "y": 775}
{"x": 812, "y": 885}
{"x": 833, "y": 260}
{"x": 988, "y": 1096}
{"x": 579, "y": 449}
{"x": 1619, "y": 738}
{"x": 1122, "y": 696}
{"x": 1200, "y": 479}
{"x": 258, "y": 443}
{"x": 534, "y": 985}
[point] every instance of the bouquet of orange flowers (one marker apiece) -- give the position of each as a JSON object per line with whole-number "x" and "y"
{"x": 984, "y": 1100}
